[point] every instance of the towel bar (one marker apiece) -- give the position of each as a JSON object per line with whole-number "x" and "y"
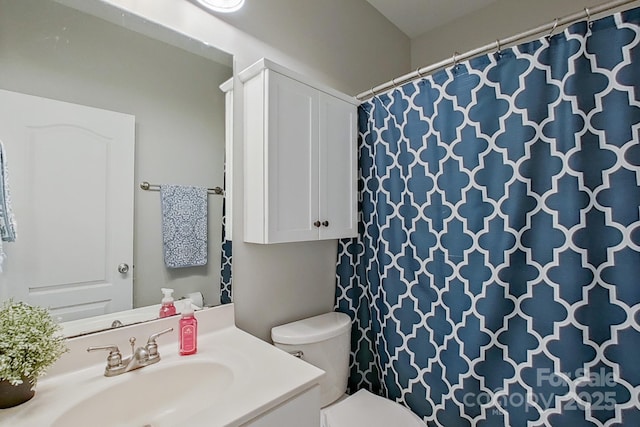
{"x": 153, "y": 187}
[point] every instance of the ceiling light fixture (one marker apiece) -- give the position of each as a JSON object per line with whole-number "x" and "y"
{"x": 224, "y": 6}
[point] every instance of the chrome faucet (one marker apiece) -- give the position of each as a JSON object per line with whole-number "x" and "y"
{"x": 139, "y": 358}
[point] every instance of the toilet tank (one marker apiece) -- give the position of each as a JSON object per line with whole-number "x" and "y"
{"x": 325, "y": 342}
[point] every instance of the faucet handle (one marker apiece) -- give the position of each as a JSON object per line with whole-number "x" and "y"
{"x": 114, "y": 360}
{"x": 152, "y": 345}
{"x": 153, "y": 337}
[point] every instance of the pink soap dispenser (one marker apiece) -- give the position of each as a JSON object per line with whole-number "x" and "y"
{"x": 188, "y": 330}
{"x": 168, "y": 308}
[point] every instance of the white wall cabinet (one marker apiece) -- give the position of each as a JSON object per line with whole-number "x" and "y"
{"x": 300, "y": 158}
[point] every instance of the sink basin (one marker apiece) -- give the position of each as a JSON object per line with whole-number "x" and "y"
{"x": 154, "y": 396}
{"x": 234, "y": 379}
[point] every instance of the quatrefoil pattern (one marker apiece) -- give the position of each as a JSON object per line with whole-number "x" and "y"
{"x": 226, "y": 253}
{"x": 225, "y": 272}
{"x": 496, "y": 277}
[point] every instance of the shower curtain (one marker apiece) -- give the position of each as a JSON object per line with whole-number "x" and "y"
{"x": 495, "y": 280}
{"x": 226, "y": 255}
{"x": 225, "y": 267}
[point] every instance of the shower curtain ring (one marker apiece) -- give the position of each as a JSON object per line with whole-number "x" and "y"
{"x": 498, "y": 47}
{"x": 419, "y": 73}
{"x": 555, "y": 25}
{"x": 589, "y": 22}
{"x": 455, "y": 58}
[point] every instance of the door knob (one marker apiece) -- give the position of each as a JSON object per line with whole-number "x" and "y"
{"x": 123, "y": 268}
{"x": 325, "y": 223}
{"x": 316, "y": 224}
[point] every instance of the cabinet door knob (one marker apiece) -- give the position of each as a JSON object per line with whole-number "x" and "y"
{"x": 325, "y": 223}
{"x": 316, "y": 224}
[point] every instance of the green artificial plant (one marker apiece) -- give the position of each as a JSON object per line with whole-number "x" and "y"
{"x": 30, "y": 342}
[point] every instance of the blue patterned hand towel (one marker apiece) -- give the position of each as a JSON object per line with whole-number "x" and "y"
{"x": 184, "y": 225}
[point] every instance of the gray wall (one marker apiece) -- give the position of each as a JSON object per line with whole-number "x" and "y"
{"x": 50, "y": 50}
{"x": 273, "y": 284}
{"x": 347, "y": 45}
{"x": 501, "y": 19}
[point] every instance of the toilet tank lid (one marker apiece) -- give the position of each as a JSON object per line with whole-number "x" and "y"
{"x": 313, "y": 329}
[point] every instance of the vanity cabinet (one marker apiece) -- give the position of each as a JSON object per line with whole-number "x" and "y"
{"x": 302, "y": 410}
{"x": 300, "y": 158}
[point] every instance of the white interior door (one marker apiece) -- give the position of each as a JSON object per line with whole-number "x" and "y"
{"x": 71, "y": 180}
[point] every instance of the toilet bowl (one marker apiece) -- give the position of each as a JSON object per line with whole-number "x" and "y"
{"x": 324, "y": 341}
{"x": 365, "y": 409}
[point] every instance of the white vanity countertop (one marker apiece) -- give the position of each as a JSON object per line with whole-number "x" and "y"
{"x": 263, "y": 376}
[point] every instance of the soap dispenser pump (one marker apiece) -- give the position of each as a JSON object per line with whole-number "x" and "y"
{"x": 188, "y": 330}
{"x": 168, "y": 308}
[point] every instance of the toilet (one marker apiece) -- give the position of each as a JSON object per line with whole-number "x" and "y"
{"x": 325, "y": 342}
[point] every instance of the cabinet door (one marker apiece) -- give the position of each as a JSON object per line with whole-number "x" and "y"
{"x": 338, "y": 165}
{"x": 292, "y": 166}
{"x": 302, "y": 410}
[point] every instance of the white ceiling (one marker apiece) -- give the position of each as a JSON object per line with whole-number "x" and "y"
{"x": 415, "y": 17}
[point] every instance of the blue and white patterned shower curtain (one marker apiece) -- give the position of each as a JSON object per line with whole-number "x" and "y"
{"x": 496, "y": 277}
{"x": 225, "y": 261}
{"x": 226, "y": 257}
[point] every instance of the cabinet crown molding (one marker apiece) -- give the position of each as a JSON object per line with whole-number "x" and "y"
{"x": 266, "y": 64}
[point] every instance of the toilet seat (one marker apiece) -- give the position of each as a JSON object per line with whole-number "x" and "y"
{"x": 364, "y": 409}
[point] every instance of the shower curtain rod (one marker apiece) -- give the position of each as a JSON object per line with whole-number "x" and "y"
{"x": 421, "y": 72}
